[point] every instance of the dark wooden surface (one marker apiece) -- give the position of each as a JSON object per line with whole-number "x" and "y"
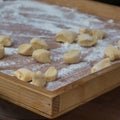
{"x": 105, "y": 107}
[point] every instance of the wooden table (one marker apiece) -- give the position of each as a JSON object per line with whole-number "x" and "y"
{"x": 105, "y": 107}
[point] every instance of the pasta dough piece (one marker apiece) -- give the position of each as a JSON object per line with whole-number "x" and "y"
{"x": 85, "y": 31}
{"x": 85, "y": 40}
{"x": 66, "y": 36}
{"x": 95, "y": 33}
{"x": 25, "y": 49}
{"x": 5, "y": 40}
{"x": 112, "y": 52}
{"x": 38, "y": 79}
{"x": 38, "y": 43}
{"x": 101, "y": 65}
{"x": 2, "y": 51}
{"x": 23, "y": 74}
{"x": 51, "y": 74}
{"x": 119, "y": 43}
{"x": 72, "y": 57}
{"x": 42, "y": 55}
{"x": 98, "y": 34}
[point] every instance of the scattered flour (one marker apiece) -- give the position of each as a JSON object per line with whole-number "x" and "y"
{"x": 56, "y": 57}
{"x": 97, "y": 52}
{"x": 66, "y": 71}
{"x": 9, "y": 72}
{"x": 110, "y": 21}
{"x": 10, "y": 51}
{"x": 7, "y": 63}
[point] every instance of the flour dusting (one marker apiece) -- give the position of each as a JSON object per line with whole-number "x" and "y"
{"x": 10, "y": 51}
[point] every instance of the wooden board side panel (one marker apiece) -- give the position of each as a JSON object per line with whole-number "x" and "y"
{"x": 88, "y": 6}
{"x": 89, "y": 90}
{"x": 26, "y": 98}
{"x": 56, "y": 105}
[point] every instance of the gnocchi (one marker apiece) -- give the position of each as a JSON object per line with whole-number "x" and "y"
{"x": 66, "y": 36}
{"x": 119, "y": 43}
{"x": 85, "y": 40}
{"x": 42, "y": 55}
{"x": 38, "y": 79}
{"x": 72, "y": 57}
{"x": 101, "y": 65}
{"x": 2, "y": 51}
{"x": 5, "y": 40}
{"x": 38, "y": 43}
{"x": 23, "y": 74}
{"x": 95, "y": 33}
{"x": 112, "y": 53}
{"x": 51, "y": 74}
{"x": 98, "y": 34}
{"x": 25, "y": 49}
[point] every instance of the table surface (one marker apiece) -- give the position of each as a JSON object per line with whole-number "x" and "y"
{"x": 105, "y": 107}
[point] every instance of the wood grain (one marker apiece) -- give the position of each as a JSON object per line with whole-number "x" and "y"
{"x": 105, "y": 107}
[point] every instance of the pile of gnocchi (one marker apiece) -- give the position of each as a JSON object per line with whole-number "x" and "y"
{"x": 39, "y": 50}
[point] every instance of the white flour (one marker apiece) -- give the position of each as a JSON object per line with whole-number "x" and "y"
{"x": 7, "y": 63}
{"x": 66, "y": 71}
{"x": 10, "y": 51}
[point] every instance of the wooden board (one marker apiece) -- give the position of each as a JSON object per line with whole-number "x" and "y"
{"x": 58, "y": 102}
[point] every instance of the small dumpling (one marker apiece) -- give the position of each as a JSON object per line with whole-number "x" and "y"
{"x": 5, "y": 40}
{"x": 112, "y": 53}
{"x": 85, "y": 31}
{"x": 38, "y": 43}
{"x": 23, "y": 74}
{"x": 51, "y": 74}
{"x": 86, "y": 40}
{"x": 38, "y": 79}
{"x": 119, "y": 44}
{"x": 95, "y": 33}
{"x": 101, "y": 65}
{"x": 66, "y": 36}
{"x": 2, "y": 51}
{"x": 42, "y": 55}
{"x": 25, "y": 49}
{"x": 72, "y": 57}
{"x": 98, "y": 34}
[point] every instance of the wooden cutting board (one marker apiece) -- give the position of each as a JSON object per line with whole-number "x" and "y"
{"x": 52, "y": 104}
